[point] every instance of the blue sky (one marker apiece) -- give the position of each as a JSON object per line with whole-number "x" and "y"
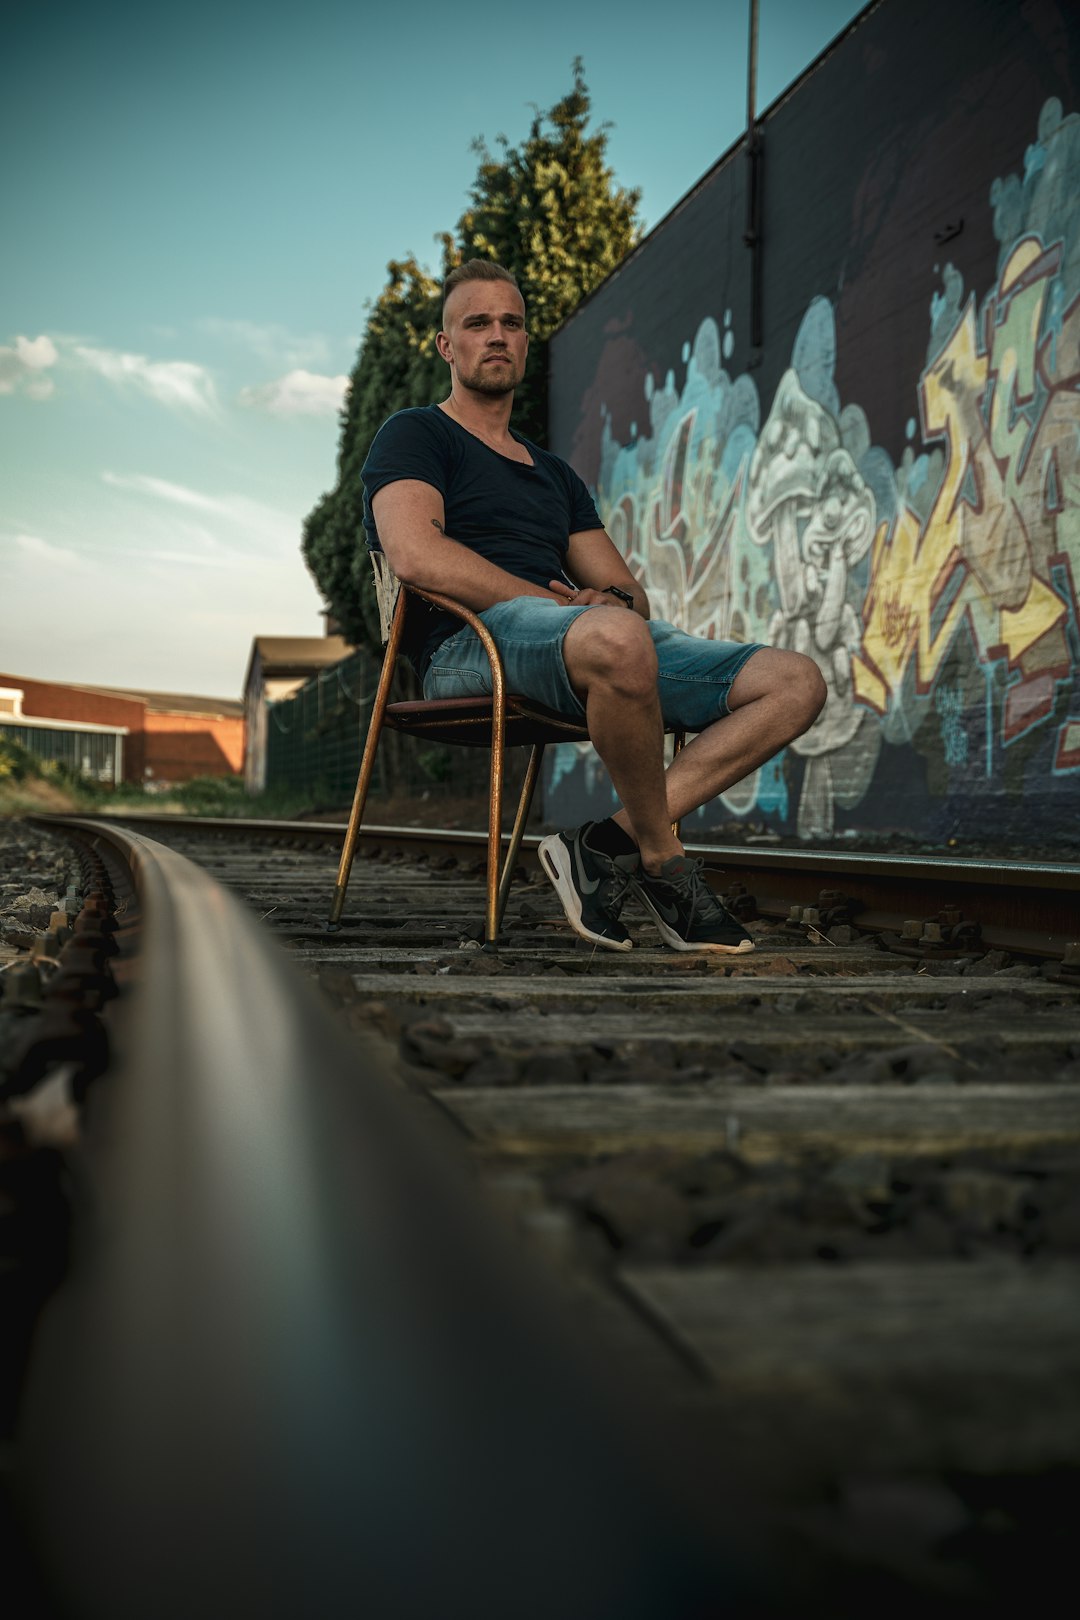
{"x": 200, "y": 202}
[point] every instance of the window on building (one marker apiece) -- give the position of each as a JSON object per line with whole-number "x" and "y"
{"x": 96, "y": 754}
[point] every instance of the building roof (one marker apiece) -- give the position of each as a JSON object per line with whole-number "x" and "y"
{"x": 174, "y": 702}
{"x": 295, "y": 655}
{"x": 154, "y": 702}
{"x": 23, "y": 681}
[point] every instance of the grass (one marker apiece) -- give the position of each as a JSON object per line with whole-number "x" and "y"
{"x": 31, "y": 786}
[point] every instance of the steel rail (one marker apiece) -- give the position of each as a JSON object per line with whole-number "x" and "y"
{"x": 292, "y": 1371}
{"x": 1028, "y": 906}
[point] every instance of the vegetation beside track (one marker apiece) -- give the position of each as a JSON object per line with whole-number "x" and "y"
{"x": 29, "y": 785}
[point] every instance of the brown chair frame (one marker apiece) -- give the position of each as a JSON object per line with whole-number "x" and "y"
{"x": 497, "y": 722}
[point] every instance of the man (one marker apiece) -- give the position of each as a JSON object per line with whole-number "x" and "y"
{"x": 462, "y": 505}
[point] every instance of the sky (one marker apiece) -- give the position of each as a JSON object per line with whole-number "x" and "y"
{"x": 200, "y": 204}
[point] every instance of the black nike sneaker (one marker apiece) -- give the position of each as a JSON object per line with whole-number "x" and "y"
{"x": 687, "y": 913}
{"x": 591, "y": 886}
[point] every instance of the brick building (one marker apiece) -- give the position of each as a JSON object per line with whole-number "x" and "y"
{"x": 123, "y": 736}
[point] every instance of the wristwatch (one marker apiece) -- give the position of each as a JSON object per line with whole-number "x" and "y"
{"x": 624, "y": 596}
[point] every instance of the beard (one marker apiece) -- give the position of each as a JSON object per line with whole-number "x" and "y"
{"x": 493, "y": 381}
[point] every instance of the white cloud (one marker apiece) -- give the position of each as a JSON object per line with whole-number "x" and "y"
{"x": 44, "y": 552}
{"x": 299, "y": 393}
{"x": 36, "y": 353}
{"x": 180, "y": 384}
{"x": 193, "y": 559}
{"x": 188, "y": 627}
{"x": 24, "y": 366}
{"x": 274, "y": 344}
{"x": 179, "y": 494}
{"x": 258, "y": 522}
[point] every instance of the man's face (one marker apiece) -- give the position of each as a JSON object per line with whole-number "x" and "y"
{"x": 484, "y": 338}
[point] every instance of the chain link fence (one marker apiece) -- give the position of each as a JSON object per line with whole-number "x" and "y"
{"x": 315, "y": 739}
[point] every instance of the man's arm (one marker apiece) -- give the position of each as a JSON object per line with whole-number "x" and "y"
{"x": 409, "y": 517}
{"x": 594, "y": 563}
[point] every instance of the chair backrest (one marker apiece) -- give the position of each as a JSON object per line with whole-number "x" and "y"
{"x": 387, "y": 591}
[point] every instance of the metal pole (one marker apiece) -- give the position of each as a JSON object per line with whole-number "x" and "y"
{"x": 751, "y": 68}
{"x": 752, "y": 234}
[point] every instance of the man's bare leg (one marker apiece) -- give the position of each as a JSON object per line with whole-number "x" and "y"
{"x": 775, "y": 697}
{"x": 611, "y": 661}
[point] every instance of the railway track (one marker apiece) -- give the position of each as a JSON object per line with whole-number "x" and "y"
{"x": 815, "y": 1211}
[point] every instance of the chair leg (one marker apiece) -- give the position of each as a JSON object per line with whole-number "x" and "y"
{"x": 678, "y": 743}
{"x": 367, "y": 764}
{"x": 528, "y": 788}
{"x": 498, "y": 755}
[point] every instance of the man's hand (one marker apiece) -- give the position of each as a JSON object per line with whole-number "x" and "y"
{"x": 570, "y": 597}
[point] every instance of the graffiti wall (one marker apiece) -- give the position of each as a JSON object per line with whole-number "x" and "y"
{"x": 906, "y": 513}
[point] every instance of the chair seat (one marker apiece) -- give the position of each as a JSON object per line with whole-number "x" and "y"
{"x": 467, "y": 721}
{"x": 456, "y": 720}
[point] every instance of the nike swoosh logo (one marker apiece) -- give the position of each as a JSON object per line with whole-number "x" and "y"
{"x": 670, "y": 914}
{"x": 586, "y": 885}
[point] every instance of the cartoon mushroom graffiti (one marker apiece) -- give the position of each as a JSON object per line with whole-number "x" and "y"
{"x": 807, "y": 498}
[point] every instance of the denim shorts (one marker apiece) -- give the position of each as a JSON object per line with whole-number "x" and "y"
{"x": 694, "y": 680}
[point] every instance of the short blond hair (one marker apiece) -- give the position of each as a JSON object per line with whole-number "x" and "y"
{"x": 474, "y": 270}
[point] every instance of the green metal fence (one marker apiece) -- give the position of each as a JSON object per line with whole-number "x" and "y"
{"x": 315, "y": 739}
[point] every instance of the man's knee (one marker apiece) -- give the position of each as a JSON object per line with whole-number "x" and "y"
{"x": 792, "y": 678}
{"x": 809, "y": 684}
{"x": 611, "y": 646}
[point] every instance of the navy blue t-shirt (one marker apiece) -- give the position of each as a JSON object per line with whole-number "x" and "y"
{"x": 519, "y": 517}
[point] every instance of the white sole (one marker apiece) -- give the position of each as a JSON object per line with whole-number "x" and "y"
{"x": 672, "y": 939}
{"x": 552, "y": 852}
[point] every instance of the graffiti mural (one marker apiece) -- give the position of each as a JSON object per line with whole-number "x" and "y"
{"x": 937, "y": 594}
{"x": 992, "y": 543}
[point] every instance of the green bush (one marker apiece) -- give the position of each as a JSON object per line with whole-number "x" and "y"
{"x": 15, "y": 763}
{"x": 436, "y": 763}
{"x": 227, "y": 796}
{"x": 204, "y": 796}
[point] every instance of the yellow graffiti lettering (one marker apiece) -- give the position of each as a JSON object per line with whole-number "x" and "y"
{"x": 1011, "y": 432}
{"x": 1028, "y": 624}
{"x": 868, "y": 686}
{"x": 897, "y": 621}
{"x": 1013, "y": 359}
{"x": 1069, "y": 746}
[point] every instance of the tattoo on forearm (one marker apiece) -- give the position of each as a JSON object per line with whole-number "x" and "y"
{"x": 435, "y": 524}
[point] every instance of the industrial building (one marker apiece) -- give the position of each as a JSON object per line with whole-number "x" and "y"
{"x": 114, "y": 736}
{"x": 277, "y": 667}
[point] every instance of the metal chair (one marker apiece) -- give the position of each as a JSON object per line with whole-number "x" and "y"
{"x": 497, "y": 722}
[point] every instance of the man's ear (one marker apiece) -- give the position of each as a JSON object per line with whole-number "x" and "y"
{"x": 444, "y": 346}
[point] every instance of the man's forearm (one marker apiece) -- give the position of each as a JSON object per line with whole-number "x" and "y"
{"x": 449, "y": 568}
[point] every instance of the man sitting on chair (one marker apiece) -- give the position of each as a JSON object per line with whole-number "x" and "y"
{"x": 463, "y": 506}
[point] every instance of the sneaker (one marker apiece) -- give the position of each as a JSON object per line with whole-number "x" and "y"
{"x": 687, "y": 913}
{"x": 591, "y": 886}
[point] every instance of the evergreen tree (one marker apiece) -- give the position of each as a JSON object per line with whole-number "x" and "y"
{"x": 397, "y": 366}
{"x": 551, "y": 213}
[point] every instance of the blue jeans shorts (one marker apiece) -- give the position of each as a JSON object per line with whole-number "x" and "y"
{"x": 694, "y": 681}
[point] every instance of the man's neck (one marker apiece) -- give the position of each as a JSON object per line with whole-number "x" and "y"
{"x": 487, "y": 415}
